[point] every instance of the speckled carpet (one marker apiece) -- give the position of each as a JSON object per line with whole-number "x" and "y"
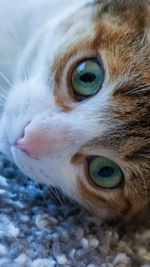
{"x": 41, "y": 228}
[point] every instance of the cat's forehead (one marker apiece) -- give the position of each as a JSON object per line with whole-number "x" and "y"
{"x": 115, "y": 31}
{"x": 129, "y": 11}
{"x": 117, "y": 27}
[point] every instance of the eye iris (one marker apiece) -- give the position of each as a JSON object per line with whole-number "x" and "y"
{"x": 87, "y": 78}
{"x": 105, "y": 173}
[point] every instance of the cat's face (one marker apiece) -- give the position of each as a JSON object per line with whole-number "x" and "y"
{"x": 82, "y": 108}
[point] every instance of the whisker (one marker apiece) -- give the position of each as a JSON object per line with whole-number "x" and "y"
{"x": 26, "y": 179}
{"x": 3, "y": 95}
{"x": 143, "y": 179}
{"x": 139, "y": 89}
{"x": 145, "y": 154}
{"x": 18, "y": 46}
{"x": 15, "y": 39}
{"x": 61, "y": 199}
{"x": 5, "y": 79}
{"x": 56, "y": 194}
{"x": 10, "y": 62}
{"x": 41, "y": 192}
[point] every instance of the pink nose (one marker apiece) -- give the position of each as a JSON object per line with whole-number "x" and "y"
{"x": 34, "y": 141}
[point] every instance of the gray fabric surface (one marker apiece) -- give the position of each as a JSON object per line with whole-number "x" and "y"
{"x": 40, "y": 228}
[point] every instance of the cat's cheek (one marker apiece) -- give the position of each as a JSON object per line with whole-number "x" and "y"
{"x": 45, "y": 170}
{"x": 33, "y": 168}
{"x": 21, "y": 160}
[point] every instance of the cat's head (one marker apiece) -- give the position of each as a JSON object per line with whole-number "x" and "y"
{"x": 81, "y": 110}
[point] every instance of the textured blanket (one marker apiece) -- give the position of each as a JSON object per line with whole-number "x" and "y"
{"x": 39, "y": 227}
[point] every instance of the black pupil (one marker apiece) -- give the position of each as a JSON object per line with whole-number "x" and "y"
{"x": 106, "y": 172}
{"x": 88, "y": 77}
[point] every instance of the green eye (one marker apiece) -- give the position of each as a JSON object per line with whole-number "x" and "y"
{"x": 105, "y": 173}
{"x": 87, "y": 77}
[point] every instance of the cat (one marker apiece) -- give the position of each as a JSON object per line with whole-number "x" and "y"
{"x": 75, "y": 109}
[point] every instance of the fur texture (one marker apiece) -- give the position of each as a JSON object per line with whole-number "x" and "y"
{"x": 40, "y": 46}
